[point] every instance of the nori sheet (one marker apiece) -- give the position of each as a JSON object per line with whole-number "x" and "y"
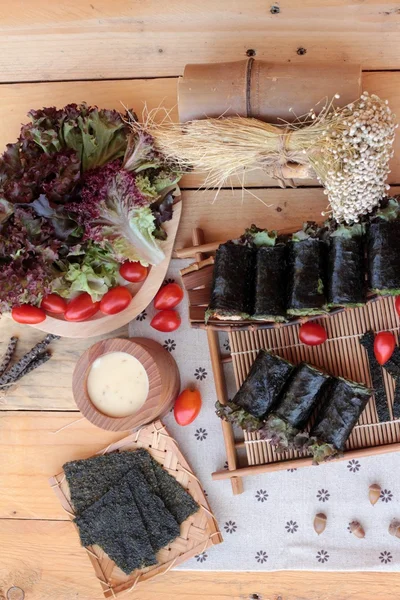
{"x": 342, "y": 404}
{"x": 162, "y": 528}
{"x": 232, "y": 284}
{"x": 262, "y": 386}
{"x": 115, "y": 524}
{"x": 177, "y": 500}
{"x": 305, "y": 277}
{"x": 378, "y": 385}
{"x": 346, "y": 283}
{"x": 270, "y": 284}
{"x": 91, "y": 478}
{"x": 297, "y": 401}
{"x": 384, "y": 257}
{"x": 392, "y": 366}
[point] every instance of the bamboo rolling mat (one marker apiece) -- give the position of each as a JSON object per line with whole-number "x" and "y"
{"x": 342, "y": 354}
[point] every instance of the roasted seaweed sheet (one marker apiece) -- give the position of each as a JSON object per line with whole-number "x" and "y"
{"x": 270, "y": 282}
{"x": 305, "y": 277}
{"x": 384, "y": 257}
{"x": 378, "y": 384}
{"x": 114, "y": 523}
{"x": 341, "y": 406}
{"x": 91, "y": 478}
{"x": 346, "y": 272}
{"x": 232, "y": 284}
{"x": 298, "y": 399}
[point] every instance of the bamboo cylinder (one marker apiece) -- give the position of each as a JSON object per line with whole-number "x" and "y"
{"x": 267, "y": 91}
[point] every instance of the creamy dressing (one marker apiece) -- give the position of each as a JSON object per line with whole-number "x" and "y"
{"x": 117, "y": 384}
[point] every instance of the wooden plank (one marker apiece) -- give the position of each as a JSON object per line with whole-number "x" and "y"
{"x": 100, "y": 39}
{"x": 17, "y": 99}
{"x": 31, "y": 452}
{"x": 53, "y": 565}
{"x": 49, "y": 386}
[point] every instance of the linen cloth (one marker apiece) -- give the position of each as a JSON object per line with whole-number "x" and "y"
{"x": 270, "y": 526}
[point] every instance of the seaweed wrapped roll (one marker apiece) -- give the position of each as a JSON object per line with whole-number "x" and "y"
{"x": 300, "y": 396}
{"x": 232, "y": 285}
{"x": 258, "y": 393}
{"x": 342, "y": 404}
{"x": 305, "y": 275}
{"x": 346, "y": 285}
{"x": 270, "y": 276}
{"x": 384, "y": 250}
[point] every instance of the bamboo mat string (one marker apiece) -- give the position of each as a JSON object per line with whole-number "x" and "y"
{"x": 67, "y": 425}
{"x": 58, "y": 484}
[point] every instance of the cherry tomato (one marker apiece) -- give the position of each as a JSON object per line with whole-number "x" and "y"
{"x": 53, "y": 303}
{"x": 81, "y": 308}
{"x": 115, "y": 300}
{"x": 166, "y": 320}
{"x": 28, "y": 314}
{"x": 187, "y": 406}
{"x": 384, "y": 344}
{"x": 133, "y": 271}
{"x": 312, "y": 334}
{"x": 168, "y": 296}
{"x": 397, "y": 305}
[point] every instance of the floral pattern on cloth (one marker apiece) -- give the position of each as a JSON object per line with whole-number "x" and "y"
{"x": 270, "y": 526}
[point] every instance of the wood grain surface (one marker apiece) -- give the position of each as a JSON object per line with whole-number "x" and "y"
{"x": 99, "y": 39}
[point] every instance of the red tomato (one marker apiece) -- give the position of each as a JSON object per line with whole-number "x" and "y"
{"x": 312, "y": 334}
{"x": 115, "y": 300}
{"x": 168, "y": 296}
{"x": 26, "y": 313}
{"x": 166, "y": 320}
{"x": 53, "y": 303}
{"x": 133, "y": 271}
{"x": 384, "y": 344}
{"x": 397, "y": 305}
{"x": 81, "y": 308}
{"x": 187, "y": 406}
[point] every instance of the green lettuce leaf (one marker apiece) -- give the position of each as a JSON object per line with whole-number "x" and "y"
{"x": 88, "y": 269}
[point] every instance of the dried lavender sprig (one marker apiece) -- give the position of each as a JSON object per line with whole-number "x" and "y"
{"x": 34, "y": 364}
{"x": 13, "y": 373}
{"x": 8, "y": 354}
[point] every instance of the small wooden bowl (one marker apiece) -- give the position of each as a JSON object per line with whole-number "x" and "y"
{"x": 161, "y": 369}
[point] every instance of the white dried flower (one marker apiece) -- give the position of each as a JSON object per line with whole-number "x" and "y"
{"x": 355, "y": 165}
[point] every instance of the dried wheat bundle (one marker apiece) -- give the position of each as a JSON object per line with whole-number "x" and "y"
{"x": 348, "y": 150}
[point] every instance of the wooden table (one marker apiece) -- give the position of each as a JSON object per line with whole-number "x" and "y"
{"x": 106, "y": 52}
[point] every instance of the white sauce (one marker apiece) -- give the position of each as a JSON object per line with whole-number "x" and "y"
{"x": 117, "y": 384}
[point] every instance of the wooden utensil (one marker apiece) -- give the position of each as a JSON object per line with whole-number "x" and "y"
{"x": 161, "y": 369}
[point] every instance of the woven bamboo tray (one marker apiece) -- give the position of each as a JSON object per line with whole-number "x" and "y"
{"x": 198, "y": 532}
{"x": 342, "y": 354}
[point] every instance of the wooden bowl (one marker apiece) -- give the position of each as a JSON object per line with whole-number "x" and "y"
{"x": 143, "y": 294}
{"x": 161, "y": 369}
